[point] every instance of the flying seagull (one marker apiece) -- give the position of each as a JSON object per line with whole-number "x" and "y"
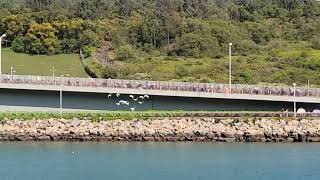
{"x": 133, "y": 109}
{"x": 131, "y": 96}
{"x": 117, "y": 94}
{"x": 109, "y": 95}
{"x": 141, "y": 102}
{"x": 124, "y": 102}
{"x": 141, "y": 97}
{"x": 146, "y": 96}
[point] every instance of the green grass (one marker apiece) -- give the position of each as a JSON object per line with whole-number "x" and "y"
{"x": 25, "y": 64}
{"x": 114, "y": 115}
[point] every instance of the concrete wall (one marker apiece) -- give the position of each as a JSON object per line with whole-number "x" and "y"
{"x": 28, "y": 100}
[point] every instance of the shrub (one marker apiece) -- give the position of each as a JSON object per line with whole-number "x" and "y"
{"x": 110, "y": 72}
{"x": 21, "y": 44}
{"x": 197, "y": 45}
{"x": 126, "y": 53}
{"x": 88, "y": 51}
{"x": 316, "y": 43}
{"x": 182, "y": 71}
{"x": 140, "y": 76}
{"x": 246, "y": 47}
{"x": 205, "y": 80}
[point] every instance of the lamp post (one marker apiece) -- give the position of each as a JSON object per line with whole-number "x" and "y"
{"x": 230, "y": 68}
{"x": 3, "y": 36}
{"x": 11, "y": 73}
{"x": 294, "y": 100}
{"x": 61, "y": 86}
{"x": 53, "y": 71}
{"x": 308, "y": 87}
{"x": 61, "y": 93}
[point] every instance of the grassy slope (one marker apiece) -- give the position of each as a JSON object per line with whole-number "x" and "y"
{"x": 250, "y": 69}
{"x": 42, "y": 65}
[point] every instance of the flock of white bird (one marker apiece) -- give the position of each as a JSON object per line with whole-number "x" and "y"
{"x": 140, "y": 100}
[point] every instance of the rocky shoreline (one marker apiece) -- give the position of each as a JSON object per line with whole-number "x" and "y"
{"x": 166, "y": 129}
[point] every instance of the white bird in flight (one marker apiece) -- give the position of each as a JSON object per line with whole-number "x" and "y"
{"x": 109, "y": 96}
{"x": 141, "y": 102}
{"x": 126, "y": 103}
{"x": 141, "y": 97}
{"x": 146, "y": 96}
{"x": 117, "y": 94}
{"x": 133, "y": 109}
{"x": 131, "y": 96}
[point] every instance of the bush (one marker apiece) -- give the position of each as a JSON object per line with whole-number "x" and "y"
{"x": 205, "y": 80}
{"x": 126, "y": 53}
{"x": 38, "y": 48}
{"x": 21, "y": 44}
{"x": 246, "y": 47}
{"x": 182, "y": 71}
{"x": 197, "y": 45}
{"x": 69, "y": 45}
{"x": 316, "y": 43}
{"x": 88, "y": 51}
{"x": 110, "y": 72}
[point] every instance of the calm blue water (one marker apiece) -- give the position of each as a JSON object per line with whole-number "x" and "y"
{"x": 158, "y": 161}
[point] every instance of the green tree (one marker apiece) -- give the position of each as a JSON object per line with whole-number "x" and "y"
{"x": 43, "y": 39}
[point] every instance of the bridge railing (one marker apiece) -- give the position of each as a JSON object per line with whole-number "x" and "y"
{"x": 160, "y": 85}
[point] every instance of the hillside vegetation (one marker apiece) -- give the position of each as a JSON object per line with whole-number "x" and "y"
{"x": 275, "y": 41}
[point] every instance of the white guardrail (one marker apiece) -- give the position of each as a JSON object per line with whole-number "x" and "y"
{"x": 160, "y": 85}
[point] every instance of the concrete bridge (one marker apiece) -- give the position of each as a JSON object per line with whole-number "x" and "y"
{"x": 41, "y": 93}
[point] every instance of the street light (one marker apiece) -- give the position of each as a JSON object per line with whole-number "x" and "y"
{"x": 61, "y": 91}
{"x": 3, "y": 36}
{"x": 308, "y": 87}
{"x": 11, "y": 73}
{"x": 294, "y": 100}
{"x": 53, "y": 71}
{"x": 61, "y": 86}
{"x": 230, "y": 68}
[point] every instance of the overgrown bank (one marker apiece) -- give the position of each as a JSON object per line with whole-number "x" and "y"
{"x": 122, "y": 115}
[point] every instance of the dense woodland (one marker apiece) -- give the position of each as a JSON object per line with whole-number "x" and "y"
{"x": 275, "y": 41}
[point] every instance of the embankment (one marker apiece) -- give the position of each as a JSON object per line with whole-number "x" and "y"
{"x": 166, "y": 129}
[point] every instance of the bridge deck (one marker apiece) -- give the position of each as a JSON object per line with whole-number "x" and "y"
{"x": 161, "y": 88}
{"x": 155, "y": 92}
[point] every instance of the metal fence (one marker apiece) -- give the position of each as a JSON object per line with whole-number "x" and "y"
{"x": 160, "y": 85}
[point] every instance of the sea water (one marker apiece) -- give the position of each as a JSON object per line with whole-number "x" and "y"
{"x": 158, "y": 161}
